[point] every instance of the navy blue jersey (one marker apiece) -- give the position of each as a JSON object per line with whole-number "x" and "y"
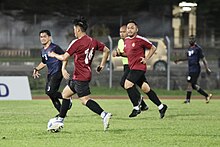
{"x": 194, "y": 55}
{"x": 54, "y": 65}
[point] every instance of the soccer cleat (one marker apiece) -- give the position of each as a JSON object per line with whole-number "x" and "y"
{"x": 186, "y": 102}
{"x": 208, "y": 98}
{"x": 106, "y": 120}
{"x": 163, "y": 111}
{"x": 134, "y": 113}
{"x": 55, "y": 125}
{"x": 144, "y": 108}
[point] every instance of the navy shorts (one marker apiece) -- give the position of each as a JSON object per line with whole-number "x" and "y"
{"x": 53, "y": 82}
{"x": 137, "y": 77}
{"x": 192, "y": 78}
{"x": 80, "y": 87}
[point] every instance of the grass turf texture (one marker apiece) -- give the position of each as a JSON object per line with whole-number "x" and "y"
{"x": 23, "y": 123}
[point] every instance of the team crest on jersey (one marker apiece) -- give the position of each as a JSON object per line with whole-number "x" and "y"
{"x": 133, "y": 44}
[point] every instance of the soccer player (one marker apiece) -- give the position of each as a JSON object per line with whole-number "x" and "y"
{"x": 54, "y": 76}
{"x": 138, "y": 50}
{"x": 83, "y": 50}
{"x": 194, "y": 54}
{"x": 118, "y": 52}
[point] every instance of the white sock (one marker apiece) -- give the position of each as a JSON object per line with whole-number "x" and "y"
{"x": 103, "y": 114}
{"x": 136, "y": 108}
{"x": 160, "y": 106}
{"x": 60, "y": 118}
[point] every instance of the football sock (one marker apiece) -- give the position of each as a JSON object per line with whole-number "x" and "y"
{"x": 143, "y": 104}
{"x": 134, "y": 95}
{"x": 188, "y": 95}
{"x": 56, "y": 103}
{"x": 64, "y": 108}
{"x": 153, "y": 97}
{"x": 202, "y": 92}
{"x": 93, "y": 106}
{"x": 160, "y": 106}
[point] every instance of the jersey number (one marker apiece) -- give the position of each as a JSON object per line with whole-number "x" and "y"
{"x": 45, "y": 57}
{"x": 190, "y": 53}
{"x": 89, "y": 55}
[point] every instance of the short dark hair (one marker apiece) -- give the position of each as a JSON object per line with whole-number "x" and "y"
{"x": 132, "y": 21}
{"x": 45, "y": 31}
{"x": 81, "y": 22}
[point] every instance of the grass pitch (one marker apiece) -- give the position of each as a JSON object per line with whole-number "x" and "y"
{"x": 23, "y": 123}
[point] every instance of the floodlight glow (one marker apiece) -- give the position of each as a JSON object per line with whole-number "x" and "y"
{"x": 185, "y": 4}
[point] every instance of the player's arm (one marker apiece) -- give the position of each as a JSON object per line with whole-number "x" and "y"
{"x": 65, "y": 74}
{"x": 104, "y": 59}
{"x": 148, "y": 54}
{"x": 62, "y": 57}
{"x": 181, "y": 59}
{"x": 36, "y": 73}
{"x": 208, "y": 70}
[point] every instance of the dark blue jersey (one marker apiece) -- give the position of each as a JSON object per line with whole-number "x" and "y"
{"x": 194, "y": 55}
{"x": 54, "y": 65}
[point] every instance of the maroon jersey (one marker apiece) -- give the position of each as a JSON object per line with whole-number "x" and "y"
{"x": 135, "y": 49}
{"x": 83, "y": 51}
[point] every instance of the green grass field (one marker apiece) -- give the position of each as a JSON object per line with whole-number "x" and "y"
{"x": 23, "y": 123}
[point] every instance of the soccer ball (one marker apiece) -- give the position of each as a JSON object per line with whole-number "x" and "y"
{"x": 54, "y": 125}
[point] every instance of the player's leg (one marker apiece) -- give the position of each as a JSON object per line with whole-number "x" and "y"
{"x": 196, "y": 87}
{"x": 133, "y": 93}
{"x": 51, "y": 90}
{"x": 58, "y": 122}
{"x": 189, "y": 88}
{"x": 152, "y": 96}
{"x": 83, "y": 92}
{"x": 143, "y": 105}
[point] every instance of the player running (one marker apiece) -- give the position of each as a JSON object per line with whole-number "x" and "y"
{"x": 138, "y": 50}
{"x": 83, "y": 50}
{"x": 194, "y": 54}
{"x": 118, "y": 52}
{"x": 54, "y": 75}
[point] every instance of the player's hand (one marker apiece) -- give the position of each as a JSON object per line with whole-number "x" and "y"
{"x": 51, "y": 54}
{"x": 99, "y": 69}
{"x": 65, "y": 74}
{"x": 143, "y": 60}
{"x": 36, "y": 73}
{"x": 208, "y": 71}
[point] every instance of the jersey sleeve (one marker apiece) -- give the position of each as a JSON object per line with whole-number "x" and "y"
{"x": 146, "y": 43}
{"x": 121, "y": 45}
{"x": 71, "y": 48}
{"x": 42, "y": 58}
{"x": 100, "y": 46}
{"x": 201, "y": 55}
{"x": 58, "y": 50}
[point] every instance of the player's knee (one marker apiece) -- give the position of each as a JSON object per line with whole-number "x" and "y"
{"x": 84, "y": 100}
{"x": 195, "y": 86}
{"x": 50, "y": 93}
{"x": 145, "y": 87}
{"x": 128, "y": 84}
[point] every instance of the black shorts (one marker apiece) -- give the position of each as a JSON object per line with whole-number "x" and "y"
{"x": 137, "y": 77}
{"x": 53, "y": 82}
{"x": 80, "y": 87}
{"x": 192, "y": 78}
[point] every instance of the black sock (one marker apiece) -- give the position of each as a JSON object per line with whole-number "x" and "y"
{"x": 134, "y": 95}
{"x": 64, "y": 108}
{"x": 56, "y": 103}
{"x": 143, "y": 104}
{"x": 59, "y": 95}
{"x": 188, "y": 95}
{"x": 153, "y": 97}
{"x": 92, "y": 105}
{"x": 202, "y": 92}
